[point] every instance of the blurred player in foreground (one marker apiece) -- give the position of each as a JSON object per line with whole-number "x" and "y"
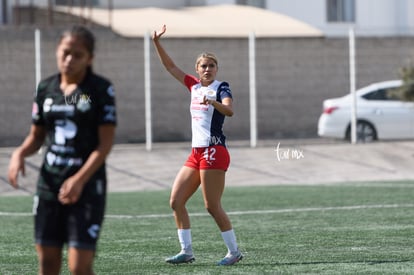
{"x": 74, "y": 112}
{"x": 211, "y": 102}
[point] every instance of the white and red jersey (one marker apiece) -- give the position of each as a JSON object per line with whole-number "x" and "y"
{"x": 206, "y": 121}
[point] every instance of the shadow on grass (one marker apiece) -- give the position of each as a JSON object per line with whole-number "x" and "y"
{"x": 243, "y": 263}
{"x": 373, "y": 262}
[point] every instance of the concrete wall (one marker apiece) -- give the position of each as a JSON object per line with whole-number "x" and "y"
{"x": 294, "y": 76}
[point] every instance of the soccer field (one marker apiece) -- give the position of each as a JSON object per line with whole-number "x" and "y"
{"x": 349, "y": 228}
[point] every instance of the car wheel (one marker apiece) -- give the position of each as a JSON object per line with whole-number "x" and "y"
{"x": 365, "y": 132}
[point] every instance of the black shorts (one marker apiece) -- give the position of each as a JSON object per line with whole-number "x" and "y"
{"x": 78, "y": 224}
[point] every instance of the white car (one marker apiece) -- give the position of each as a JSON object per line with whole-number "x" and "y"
{"x": 378, "y": 115}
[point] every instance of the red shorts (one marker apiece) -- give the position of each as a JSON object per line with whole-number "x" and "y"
{"x": 212, "y": 157}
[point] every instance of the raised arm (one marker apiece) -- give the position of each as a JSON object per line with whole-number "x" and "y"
{"x": 165, "y": 58}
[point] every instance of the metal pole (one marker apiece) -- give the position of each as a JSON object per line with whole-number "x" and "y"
{"x": 252, "y": 89}
{"x": 148, "y": 119}
{"x": 352, "y": 81}
{"x": 38, "y": 65}
{"x": 38, "y": 61}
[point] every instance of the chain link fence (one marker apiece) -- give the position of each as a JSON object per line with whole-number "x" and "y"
{"x": 294, "y": 76}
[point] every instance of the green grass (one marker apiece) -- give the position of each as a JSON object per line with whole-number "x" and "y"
{"x": 358, "y": 228}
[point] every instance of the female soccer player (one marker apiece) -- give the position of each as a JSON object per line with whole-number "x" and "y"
{"x": 211, "y": 101}
{"x": 74, "y": 112}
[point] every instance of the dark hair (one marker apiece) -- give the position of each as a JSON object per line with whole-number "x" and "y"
{"x": 84, "y": 34}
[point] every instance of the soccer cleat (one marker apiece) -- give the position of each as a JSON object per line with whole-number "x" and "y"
{"x": 181, "y": 258}
{"x": 231, "y": 259}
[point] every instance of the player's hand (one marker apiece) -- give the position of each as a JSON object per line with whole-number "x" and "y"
{"x": 16, "y": 165}
{"x": 206, "y": 101}
{"x": 157, "y": 35}
{"x": 70, "y": 191}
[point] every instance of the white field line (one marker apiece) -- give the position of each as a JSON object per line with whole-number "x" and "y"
{"x": 247, "y": 212}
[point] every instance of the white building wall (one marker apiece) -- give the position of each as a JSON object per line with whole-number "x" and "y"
{"x": 384, "y": 17}
{"x": 167, "y": 4}
{"x": 121, "y": 4}
{"x": 378, "y": 16}
{"x": 410, "y": 20}
{"x": 372, "y": 18}
{"x": 220, "y": 2}
{"x": 309, "y": 11}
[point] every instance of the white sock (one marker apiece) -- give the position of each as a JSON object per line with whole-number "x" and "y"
{"x": 230, "y": 240}
{"x": 184, "y": 236}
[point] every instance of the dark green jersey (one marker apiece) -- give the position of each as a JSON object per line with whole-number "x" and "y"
{"x": 71, "y": 123}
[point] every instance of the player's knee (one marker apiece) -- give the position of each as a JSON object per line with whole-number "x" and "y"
{"x": 48, "y": 266}
{"x": 176, "y": 204}
{"x": 49, "y": 263}
{"x": 212, "y": 209}
{"x": 80, "y": 269}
